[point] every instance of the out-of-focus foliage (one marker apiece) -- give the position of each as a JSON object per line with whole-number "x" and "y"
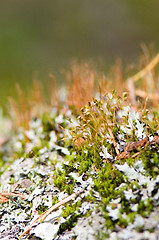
{"x": 38, "y": 37}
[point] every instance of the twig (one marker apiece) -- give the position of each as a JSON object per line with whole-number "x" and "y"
{"x": 3, "y": 141}
{"x": 114, "y": 142}
{"x": 146, "y": 69}
{"x": 135, "y": 154}
{"x": 131, "y": 89}
{"x": 143, "y": 94}
{"x": 4, "y": 196}
{"x": 46, "y": 213}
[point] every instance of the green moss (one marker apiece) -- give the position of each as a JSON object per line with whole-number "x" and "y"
{"x": 70, "y": 209}
{"x": 150, "y": 160}
{"x": 122, "y": 222}
{"x": 48, "y": 123}
{"x": 130, "y": 161}
{"x": 149, "y": 205}
{"x": 69, "y": 223}
{"x": 69, "y": 188}
{"x": 12, "y": 180}
{"x": 41, "y": 208}
{"x": 71, "y": 213}
{"x": 34, "y": 152}
{"x": 93, "y": 129}
{"x": 108, "y": 179}
{"x": 60, "y": 180}
{"x": 90, "y": 197}
{"x": 134, "y": 185}
{"x": 102, "y": 235}
{"x": 109, "y": 223}
{"x": 126, "y": 208}
{"x": 141, "y": 208}
{"x": 131, "y": 216}
{"x": 1, "y": 161}
{"x": 140, "y": 228}
{"x": 55, "y": 200}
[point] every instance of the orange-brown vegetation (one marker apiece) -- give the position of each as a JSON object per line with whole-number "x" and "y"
{"x": 83, "y": 82}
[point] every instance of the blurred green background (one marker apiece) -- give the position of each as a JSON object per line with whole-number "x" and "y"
{"x": 38, "y": 37}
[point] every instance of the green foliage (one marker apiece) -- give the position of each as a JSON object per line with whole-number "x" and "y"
{"x": 70, "y": 209}
{"x": 122, "y": 222}
{"x": 106, "y": 181}
{"x": 150, "y": 160}
{"x": 41, "y": 208}
{"x": 60, "y": 180}
{"x": 55, "y": 200}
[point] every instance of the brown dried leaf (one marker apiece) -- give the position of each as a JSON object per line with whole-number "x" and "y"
{"x": 155, "y": 140}
{"x": 130, "y": 146}
{"x": 123, "y": 155}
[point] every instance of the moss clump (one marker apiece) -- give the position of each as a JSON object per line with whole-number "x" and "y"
{"x": 71, "y": 209}
{"x": 70, "y": 222}
{"x": 48, "y": 124}
{"x": 125, "y": 205}
{"x": 109, "y": 223}
{"x": 60, "y": 180}
{"x": 106, "y": 181}
{"x": 41, "y": 208}
{"x": 145, "y": 208}
{"x": 122, "y": 222}
{"x": 64, "y": 182}
{"x": 150, "y": 160}
{"x": 55, "y": 200}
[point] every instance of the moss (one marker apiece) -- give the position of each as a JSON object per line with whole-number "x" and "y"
{"x": 88, "y": 213}
{"x": 134, "y": 185}
{"x": 55, "y": 200}
{"x": 90, "y": 197}
{"x": 41, "y": 208}
{"x": 102, "y": 235}
{"x": 151, "y": 230}
{"x": 69, "y": 188}
{"x": 1, "y": 160}
{"x": 12, "y": 180}
{"x": 125, "y": 204}
{"x": 131, "y": 216}
{"x": 70, "y": 209}
{"x": 130, "y": 161}
{"x": 88, "y": 156}
{"x": 109, "y": 223}
{"x": 85, "y": 159}
{"x": 59, "y": 180}
{"x": 140, "y": 228}
{"x": 63, "y": 181}
{"x": 71, "y": 222}
{"x": 149, "y": 205}
{"x": 68, "y": 168}
{"x": 141, "y": 208}
{"x": 48, "y": 123}
{"x": 150, "y": 160}
{"x": 122, "y": 222}
{"x": 108, "y": 179}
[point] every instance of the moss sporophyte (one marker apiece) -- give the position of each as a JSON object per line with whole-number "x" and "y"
{"x": 109, "y": 150}
{"x": 98, "y": 149}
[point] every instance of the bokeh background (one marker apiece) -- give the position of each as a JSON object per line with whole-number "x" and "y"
{"x": 38, "y": 37}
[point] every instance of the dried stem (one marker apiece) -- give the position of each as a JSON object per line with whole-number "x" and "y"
{"x": 145, "y": 70}
{"x": 114, "y": 142}
{"x": 46, "y": 213}
{"x": 4, "y": 196}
